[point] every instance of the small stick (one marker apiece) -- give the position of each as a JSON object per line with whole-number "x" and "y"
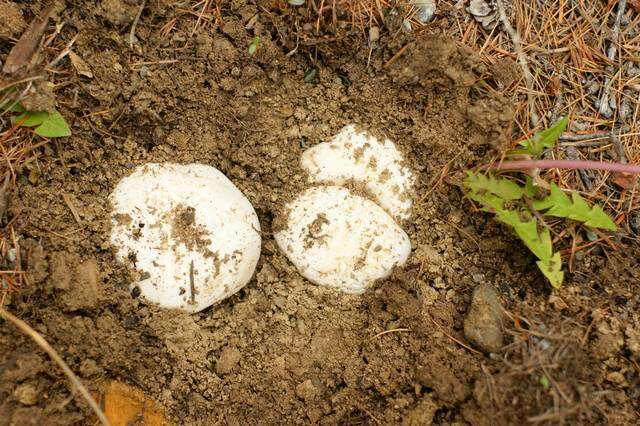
{"x": 396, "y": 55}
{"x": 522, "y": 60}
{"x": 73, "y": 209}
{"x": 77, "y": 384}
{"x": 619, "y": 149}
{"x": 132, "y": 33}
{"x": 563, "y": 164}
{"x": 467, "y": 347}
{"x": 395, "y": 330}
{"x": 204, "y": 8}
{"x": 590, "y": 136}
{"x": 604, "y": 108}
{"x": 64, "y": 53}
{"x": 192, "y": 284}
{"x": 572, "y": 154}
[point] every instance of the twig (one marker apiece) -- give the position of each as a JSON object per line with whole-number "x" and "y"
{"x": 467, "y": 347}
{"x": 64, "y": 53}
{"x": 619, "y": 149}
{"x": 132, "y": 33}
{"x": 572, "y": 154}
{"x": 192, "y": 284}
{"x": 77, "y": 384}
{"x": 604, "y": 108}
{"x": 204, "y": 8}
{"x": 563, "y": 164}
{"x": 24, "y": 80}
{"x": 395, "y": 330}
{"x": 522, "y": 60}
{"x": 585, "y": 137}
{"x": 396, "y": 55}
{"x": 72, "y": 208}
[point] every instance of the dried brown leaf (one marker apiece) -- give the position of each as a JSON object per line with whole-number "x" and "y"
{"x": 80, "y": 65}
{"x": 24, "y": 50}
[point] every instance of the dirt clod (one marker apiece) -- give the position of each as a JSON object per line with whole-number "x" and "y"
{"x": 483, "y": 325}
{"x": 12, "y": 22}
{"x": 229, "y": 358}
{"x": 422, "y": 414}
{"x": 26, "y": 394}
{"x": 118, "y": 12}
{"x": 77, "y": 281}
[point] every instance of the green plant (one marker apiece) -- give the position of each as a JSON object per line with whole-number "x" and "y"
{"x": 253, "y": 46}
{"x": 523, "y": 206}
{"x": 46, "y": 124}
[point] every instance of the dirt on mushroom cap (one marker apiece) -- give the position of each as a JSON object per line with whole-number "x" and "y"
{"x": 305, "y": 353}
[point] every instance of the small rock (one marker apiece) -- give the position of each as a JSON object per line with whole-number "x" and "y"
{"x": 483, "y": 325}
{"x": 26, "y": 394}
{"x": 374, "y": 34}
{"x": 633, "y": 340}
{"x": 617, "y": 378}
{"x": 426, "y": 10}
{"x": 229, "y": 358}
{"x": 479, "y": 8}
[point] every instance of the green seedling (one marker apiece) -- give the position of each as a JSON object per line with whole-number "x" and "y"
{"x": 523, "y": 206}
{"x": 46, "y": 124}
{"x": 253, "y": 46}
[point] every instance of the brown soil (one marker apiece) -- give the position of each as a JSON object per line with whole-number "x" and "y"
{"x": 283, "y": 351}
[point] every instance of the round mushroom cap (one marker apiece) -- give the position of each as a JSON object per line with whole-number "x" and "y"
{"x": 191, "y": 234}
{"x": 341, "y": 240}
{"x": 359, "y": 156}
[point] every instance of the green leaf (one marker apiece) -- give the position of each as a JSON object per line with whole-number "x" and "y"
{"x": 253, "y": 46}
{"x": 503, "y": 188}
{"x": 527, "y": 230}
{"x": 310, "y": 75}
{"x": 31, "y": 118}
{"x": 55, "y": 126}
{"x": 544, "y": 381}
{"x": 530, "y": 190}
{"x": 47, "y": 124}
{"x": 542, "y": 140}
{"x": 556, "y": 199}
{"x": 552, "y": 269}
{"x": 558, "y": 204}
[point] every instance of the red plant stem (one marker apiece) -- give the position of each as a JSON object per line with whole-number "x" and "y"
{"x": 563, "y": 164}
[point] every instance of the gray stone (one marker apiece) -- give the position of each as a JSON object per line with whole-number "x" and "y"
{"x": 483, "y": 324}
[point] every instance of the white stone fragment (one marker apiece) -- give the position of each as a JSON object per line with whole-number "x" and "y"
{"x": 426, "y": 10}
{"x": 189, "y": 231}
{"x": 341, "y": 240}
{"x": 358, "y": 156}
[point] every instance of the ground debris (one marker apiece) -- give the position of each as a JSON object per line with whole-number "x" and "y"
{"x": 25, "y": 49}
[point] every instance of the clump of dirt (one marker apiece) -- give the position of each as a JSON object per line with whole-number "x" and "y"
{"x": 12, "y": 22}
{"x": 185, "y": 230}
{"x": 282, "y": 350}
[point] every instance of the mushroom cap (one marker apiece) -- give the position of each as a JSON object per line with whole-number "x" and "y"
{"x": 341, "y": 240}
{"x": 189, "y": 231}
{"x": 358, "y": 156}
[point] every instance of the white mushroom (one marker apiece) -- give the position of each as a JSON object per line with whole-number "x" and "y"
{"x": 353, "y": 155}
{"x": 190, "y": 232}
{"x": 338, "y": 239}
